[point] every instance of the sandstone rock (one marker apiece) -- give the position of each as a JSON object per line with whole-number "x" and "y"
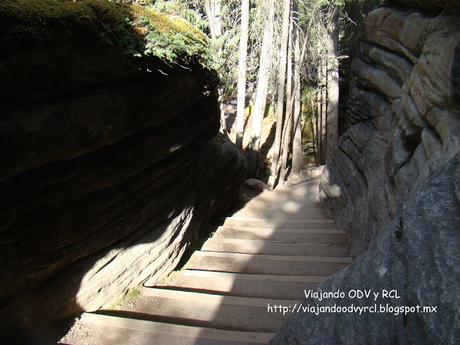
{"x": 106, "y": 176}
{"x": 393, "y": 183}
{"x": 256, "y": 184}
{"x": 416, "y": 254}
{"x": 394, "y": 136}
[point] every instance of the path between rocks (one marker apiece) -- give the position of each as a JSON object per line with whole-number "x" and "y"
{"x": 280, "y": 244}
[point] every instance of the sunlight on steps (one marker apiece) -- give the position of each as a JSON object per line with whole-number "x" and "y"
{"x": 280, "y": 244}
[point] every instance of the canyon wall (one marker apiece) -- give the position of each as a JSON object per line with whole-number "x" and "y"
{"x": 111, "y": 166}
{"x": 394, "y": 183}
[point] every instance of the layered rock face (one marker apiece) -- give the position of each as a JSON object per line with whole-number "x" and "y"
{"x": 402, "y": 122}
{"x": 110, "y": 169}
{"x": 394, "y": 183}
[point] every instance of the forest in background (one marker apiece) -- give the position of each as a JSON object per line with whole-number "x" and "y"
{"x": 284, "y": 74}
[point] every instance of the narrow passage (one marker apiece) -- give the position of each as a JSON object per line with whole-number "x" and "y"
{"x": 238, "y": 287}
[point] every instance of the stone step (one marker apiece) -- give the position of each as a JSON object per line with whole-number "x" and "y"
{"x": 266, "y": 264}
{"x": 322, "y": 223}
{"x": 208, "y": 310}
{"x": 98, "y": 329}
{"x": 285, "y": 235}
{"x": 246, "y": 285}
{"x": 277, "y": 248}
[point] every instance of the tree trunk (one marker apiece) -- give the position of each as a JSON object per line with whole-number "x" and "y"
{"x": 280, "y": 94}
{"x": 213, "y": 11}
{"x": 323, "y": 128}
{"x": 332, "y": 84}
{"x": 242, "y": 65}
{"x": 318, "y": 123}
{"x": 287, "y": 131}
{"x": 297, "y": 155}
{"x": 286, "y": 144}
{"x": 312, "y": 123}
{"x": 261, "y": 93}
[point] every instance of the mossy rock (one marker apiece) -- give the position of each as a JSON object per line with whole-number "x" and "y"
{"x": 170, "y": 25}
{"x": 41, "y": 20}
{"x": 137, "y": 30}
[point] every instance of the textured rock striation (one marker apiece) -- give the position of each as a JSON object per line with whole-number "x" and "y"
{"x": 402, "y": 122}
{"x": 393, "y": 182}
{"x": 110, "y": 169}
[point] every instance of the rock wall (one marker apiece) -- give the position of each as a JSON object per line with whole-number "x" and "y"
{"x": 394, "y": 183}
{"x": 110, "y": 169}
{"x": 402, "y": 122}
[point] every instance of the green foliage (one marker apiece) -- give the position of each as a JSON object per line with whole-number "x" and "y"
{"x": 221, "y": 53}
{"x": 183, "y": 9}
{"x": 138, "y": 30}
{"x": 44, "y": 19}
{"x": 166, "y": 36}
{"x": 224, "y": 52}
{"x": 130, "y": 296}
{"x": 133, "y": 293}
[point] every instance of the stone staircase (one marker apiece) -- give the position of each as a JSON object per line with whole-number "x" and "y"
{"x": 280, "y": 244}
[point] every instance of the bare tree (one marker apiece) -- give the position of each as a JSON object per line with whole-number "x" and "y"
{"x": 280, "y": 94}
{"x": 297, "y": 154}
{"x": 332, "y": 39}
{"x": 213, "y": 12}
{"x": 318, "y": 112}
{"x": 262, "y": 89}
{"x": 323, "y": 115}
{"x": 287, "y": 130}
{"x": 242, "y": 66}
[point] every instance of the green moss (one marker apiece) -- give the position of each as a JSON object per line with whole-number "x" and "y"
{"x": 169, "y": 25}
{"x": 138, "y": 30}
{"x": 168, "y": 37}
{"x": 44, "y": 19}
{"x": 133, "y": 294}
{"x": 130, "y": 296}
{"x": 169, "y": 278}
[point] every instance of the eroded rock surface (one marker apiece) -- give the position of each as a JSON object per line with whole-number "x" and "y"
{"x": 393, "y": 183}
{"x": 110, "y": 168}
{"x": 403, "y": 119}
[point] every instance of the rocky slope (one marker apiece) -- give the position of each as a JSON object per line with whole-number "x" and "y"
{"x": 110, "y": 168}
{"x": 394, "y": 183}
